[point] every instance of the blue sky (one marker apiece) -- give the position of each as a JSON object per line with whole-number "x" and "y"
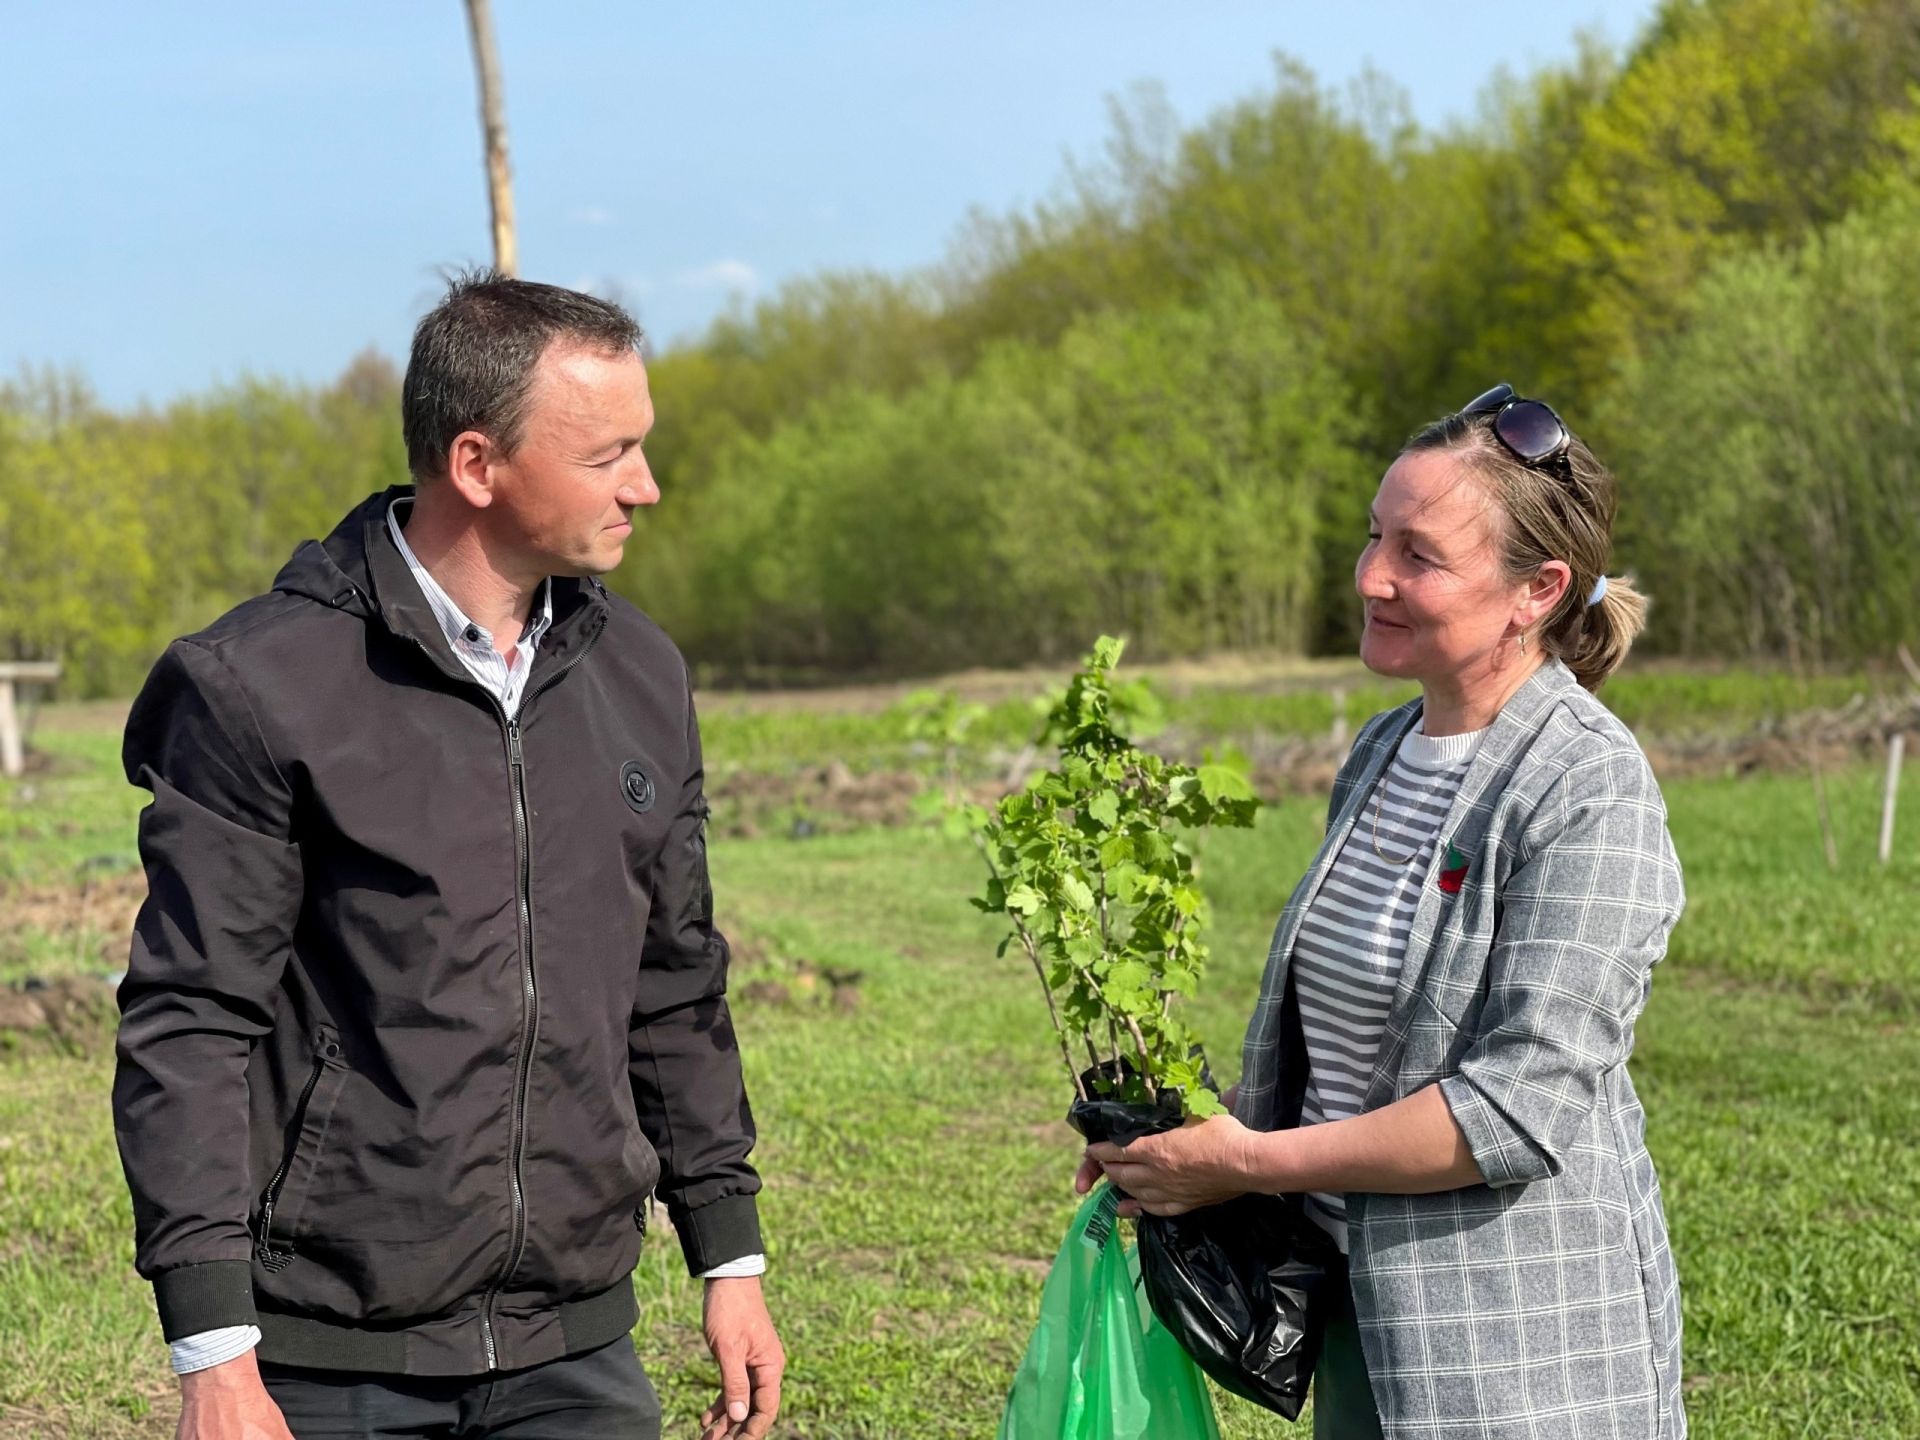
{"x": 197, "y": 192}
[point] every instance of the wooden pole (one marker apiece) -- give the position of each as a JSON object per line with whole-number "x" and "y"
{"x": 1896, "y": 752}
{"x": 493, "y": 128}
{"x": 13, "y": 754}
{"x": 13, "y": 745}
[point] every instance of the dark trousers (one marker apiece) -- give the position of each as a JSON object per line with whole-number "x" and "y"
{"x": 1343, "y": 1406}
{"x": 596, "y": 1395}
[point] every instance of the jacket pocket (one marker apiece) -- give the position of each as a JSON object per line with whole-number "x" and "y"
{"x": 286, "y": 1194}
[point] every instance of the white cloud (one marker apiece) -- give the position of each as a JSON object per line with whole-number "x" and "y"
{"x": 598, "y": 283}
{"x": 721, "y": 274}
{"x": 590, "y": 215}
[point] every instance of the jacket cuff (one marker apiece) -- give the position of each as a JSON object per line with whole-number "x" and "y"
{"x": 1500, "y": 1149}
{"x": 208, "y": 1296}
{"x": 726, "y": 1229}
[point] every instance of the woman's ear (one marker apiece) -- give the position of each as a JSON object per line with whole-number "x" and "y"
{"x": 1544, "y": 592}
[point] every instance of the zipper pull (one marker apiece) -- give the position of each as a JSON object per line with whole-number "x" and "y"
{"x": 513, "y": 743}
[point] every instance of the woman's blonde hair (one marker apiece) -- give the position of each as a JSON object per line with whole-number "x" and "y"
{"x": 1559, "y": 510}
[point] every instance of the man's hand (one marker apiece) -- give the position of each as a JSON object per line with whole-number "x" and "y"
{"x": 740, "y": 1333}
{"x": 229, "y": 1402}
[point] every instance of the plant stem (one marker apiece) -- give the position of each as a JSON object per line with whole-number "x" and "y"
{"x": 1032, "y": 948}
{"x": 1140, "y": 1040}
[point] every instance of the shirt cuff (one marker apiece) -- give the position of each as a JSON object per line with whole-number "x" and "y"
{"x": 212, "y": 1347}
{"x": 737, "y": 1269}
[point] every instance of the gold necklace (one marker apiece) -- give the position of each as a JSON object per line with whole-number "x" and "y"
{"x": 1379, "y": 794}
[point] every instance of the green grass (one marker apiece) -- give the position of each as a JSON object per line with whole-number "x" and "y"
{"x": 917, "y": 1165}
{"x": 1657, "y": 700}
{"x": 73, "y": 813}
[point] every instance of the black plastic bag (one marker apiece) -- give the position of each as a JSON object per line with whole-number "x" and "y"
{"x": 1102, "y": 1119}
{"x": 1241, "y": 1287}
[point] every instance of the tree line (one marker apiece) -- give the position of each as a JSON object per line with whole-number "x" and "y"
{"x": 1159, "y": 402}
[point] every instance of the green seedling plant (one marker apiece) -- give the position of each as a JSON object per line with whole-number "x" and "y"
{"x": 1093, "y": 865}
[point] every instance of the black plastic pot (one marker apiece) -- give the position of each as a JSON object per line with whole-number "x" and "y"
{"x": 1102, "y": 1117}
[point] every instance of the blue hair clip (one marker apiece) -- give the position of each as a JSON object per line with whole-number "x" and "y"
{"x": 1599, "y": 592}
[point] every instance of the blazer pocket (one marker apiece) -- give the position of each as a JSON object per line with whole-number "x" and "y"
{"x": 285, "y": 1198}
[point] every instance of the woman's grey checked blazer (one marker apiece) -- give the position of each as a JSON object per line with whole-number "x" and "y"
{"x": 1543, "y": 1303}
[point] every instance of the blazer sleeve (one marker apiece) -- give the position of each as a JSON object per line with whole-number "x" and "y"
{"x": 1584, "y": 918}
{"x": 224, "y": 889}
{"x": 683, "y": 1058}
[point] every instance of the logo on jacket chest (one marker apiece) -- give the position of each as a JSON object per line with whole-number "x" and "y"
{"x": 1453, "y": 870}
{"x": 636, "y": 787}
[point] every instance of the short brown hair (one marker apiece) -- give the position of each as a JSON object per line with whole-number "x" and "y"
{"x": 1560, "y": 510}
{"x": 474, "y": 355}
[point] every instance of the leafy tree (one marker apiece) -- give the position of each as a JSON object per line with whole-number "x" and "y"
{"x": 1769, "y": 450}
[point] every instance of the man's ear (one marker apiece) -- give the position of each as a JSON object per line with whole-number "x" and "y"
{"x": 470, "y": 460}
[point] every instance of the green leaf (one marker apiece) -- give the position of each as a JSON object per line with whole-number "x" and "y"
{"x": 1218, "y": 782}
{"x": 1202, "y": 1103}
{"x": 1105, "y": 808}
{"x": 1024, "y": 899}
{"x": 1124, "y": 883}
{"x": 1128, "y": 987}
{"x": 1076, "y": 892}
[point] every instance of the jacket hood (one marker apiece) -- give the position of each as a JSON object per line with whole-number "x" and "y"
{"x": 338, "y": 571}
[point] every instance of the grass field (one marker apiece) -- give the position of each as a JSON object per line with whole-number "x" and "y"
{"x": 917, "y": 1168}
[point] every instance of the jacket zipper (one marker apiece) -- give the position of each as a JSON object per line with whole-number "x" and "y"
{"x": 272, "y": 1259}
{"x": 529, "y": 996}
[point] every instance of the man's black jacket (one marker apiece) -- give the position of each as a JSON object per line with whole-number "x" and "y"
{"x": 423, "y": 1002}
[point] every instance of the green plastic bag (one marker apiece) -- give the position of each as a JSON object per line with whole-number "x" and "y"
{"x": 1100, "y": 1366}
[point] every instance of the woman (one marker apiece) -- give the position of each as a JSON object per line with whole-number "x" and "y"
{"x": 1438, "y": 1057}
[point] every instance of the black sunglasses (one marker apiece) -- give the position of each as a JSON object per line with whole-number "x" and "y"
{"x": 1529, "y": 428}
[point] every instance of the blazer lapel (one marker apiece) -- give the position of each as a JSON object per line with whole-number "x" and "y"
{"x": 1385, "y": 748}
{"x": 1465, "y": 827}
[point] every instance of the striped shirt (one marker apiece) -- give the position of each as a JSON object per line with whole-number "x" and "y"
{"x": 1354, "y": 936}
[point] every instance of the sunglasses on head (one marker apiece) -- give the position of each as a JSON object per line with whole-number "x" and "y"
{"x": 1528, "y": 428}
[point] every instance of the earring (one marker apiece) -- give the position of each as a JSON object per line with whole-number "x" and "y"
{"x": 1523, "y": 642}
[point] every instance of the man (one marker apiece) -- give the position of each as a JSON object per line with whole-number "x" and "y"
{"x": 426, "y": 999}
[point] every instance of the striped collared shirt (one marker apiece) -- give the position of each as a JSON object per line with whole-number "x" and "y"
{"x": 504, "y": 678}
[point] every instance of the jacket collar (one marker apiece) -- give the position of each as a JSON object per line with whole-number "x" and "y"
{"x": 359, "y": 569}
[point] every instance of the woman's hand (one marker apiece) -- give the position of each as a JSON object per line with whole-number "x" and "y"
{"x": 1091, "y": 1169}
{"x": 1181, "y": 1170}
